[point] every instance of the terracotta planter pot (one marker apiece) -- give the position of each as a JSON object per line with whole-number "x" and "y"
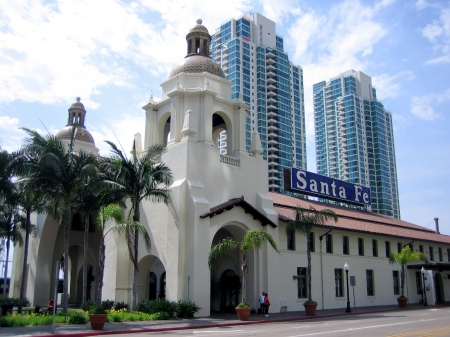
{"x": 243, "y": 313}
{"x": 310, "y": 308}
{"x": 97, "y": 321}
{"x": 402, "y": 301}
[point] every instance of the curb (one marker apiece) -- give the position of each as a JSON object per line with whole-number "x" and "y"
{"x": 207, "y": 326}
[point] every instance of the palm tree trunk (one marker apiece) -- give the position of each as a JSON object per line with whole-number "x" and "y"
{"x": 402, "y": 278}
{"x": 7, "y": 256}
{"x": 244, "y": 276}
{"x": 85, "y": 245}
{"x": 101, "y": 270}
{"x": 136, "y": 217}
{"x": 66, "y": 266}
{"x": 308, "y": 254}
{"x": 25, "y": 261}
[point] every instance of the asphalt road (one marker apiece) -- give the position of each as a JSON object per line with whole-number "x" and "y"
{"x": 430, "y": 322}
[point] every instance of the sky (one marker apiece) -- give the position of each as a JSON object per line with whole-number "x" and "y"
{"x": 115, "y": 54}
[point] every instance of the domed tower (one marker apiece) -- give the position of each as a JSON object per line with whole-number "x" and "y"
{"x": 83, "y": 139}
{"x": 197, "y": 59}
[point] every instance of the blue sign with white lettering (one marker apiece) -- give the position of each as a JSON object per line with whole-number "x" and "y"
{"x": 326, "y": 187}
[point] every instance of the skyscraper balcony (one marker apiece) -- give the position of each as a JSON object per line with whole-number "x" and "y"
{"x": 271, "y": 121}
{"x": 272, "y": 134}
{"x": 271, "y": 93}
{"x": 272, "y": 127}
{"x": 270, "y": 67}
{"x": 269, "y": 54}
{"x": 272, "y": 141}
{"x": 271, "y": 113}
{"x": 271, "y": 100}
{"x": 270, "y": 61}
{"x": 271, "y": 80}
{"x": 270, "y": 74}
{"x": 271, "y": 106}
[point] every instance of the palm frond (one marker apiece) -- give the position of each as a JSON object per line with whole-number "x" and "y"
{"x": 224, "y": 246}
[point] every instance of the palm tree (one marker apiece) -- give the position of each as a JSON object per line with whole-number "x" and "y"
{"x": 252, "y": 239}
{"x": 59, "y": 171}
{"x": 138, "y": 178}
{"x": 30, "y": 201}
{"x": 114, "y": 213}
{"x": 305, "y": 220}
{"x": 11, "y": 225}
{"x": 11, "y": 221}
{"x": 88, "y": 201}
{"x": 403, "y": 257}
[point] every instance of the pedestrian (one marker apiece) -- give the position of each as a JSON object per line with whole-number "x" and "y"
{"x": 266, "y": 304}
{"x": 50, "y": 305}
{"x": 261, "y": 303}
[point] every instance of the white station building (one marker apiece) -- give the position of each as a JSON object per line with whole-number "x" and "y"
{"x": 223, "y": 195}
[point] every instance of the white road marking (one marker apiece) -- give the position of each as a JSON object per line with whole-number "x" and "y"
{"x": 218, "y": 333}
{"x": 300, "y": 327}
{"x": 366, "y": 327}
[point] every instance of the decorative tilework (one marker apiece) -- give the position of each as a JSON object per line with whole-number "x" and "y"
{"x": 197, "y": 64}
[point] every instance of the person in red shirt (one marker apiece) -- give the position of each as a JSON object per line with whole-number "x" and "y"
{"x": 50, "y": 305}
{"x": 266, "y": 304}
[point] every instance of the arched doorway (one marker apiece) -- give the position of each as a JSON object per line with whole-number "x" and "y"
{"x": 150, "y": 270}
{"x": 226, "y": 277}
{"x": 162, "y": 286}
{"x": 230, "y": 288}
{"x": 152, "y": 286}
{"x": 439, "y": 288}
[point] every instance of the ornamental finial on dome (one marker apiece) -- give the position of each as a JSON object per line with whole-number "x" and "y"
{"x": 199, "y": 21}
{"x": 78, "y": 99}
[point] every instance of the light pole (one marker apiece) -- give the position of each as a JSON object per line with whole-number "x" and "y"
{"x": 425, "y": 303}
{"x": 346, "y": 268}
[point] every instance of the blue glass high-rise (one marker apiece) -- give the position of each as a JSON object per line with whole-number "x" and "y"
{"x": 355, "y": 139}
{"x": 253, "y": 58}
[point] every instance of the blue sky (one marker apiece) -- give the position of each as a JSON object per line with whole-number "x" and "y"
{"x": 115, "y": 54}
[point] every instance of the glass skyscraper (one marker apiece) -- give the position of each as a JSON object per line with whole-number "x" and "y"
{"x": 355, "y": 139}
{"x": 253, "y": 58}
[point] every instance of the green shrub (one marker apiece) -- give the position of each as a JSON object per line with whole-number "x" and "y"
{"x": 120, "y": 305}
{"x": 157, "y": 306}
{"x": 160, "y": 316}
{"x": 77, "y": 317}
{"x": 15, "y": 301}
{"x": 96, "y": 310}
{"x": 186, "y": 309}
{"x": 89, "y": 304}
{"x": 107, "y": 305}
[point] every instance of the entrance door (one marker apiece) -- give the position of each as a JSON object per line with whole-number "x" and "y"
{"x": 230, "y": 285}
{"x": 438, "y": 287}
{"x": 152, "y": 287}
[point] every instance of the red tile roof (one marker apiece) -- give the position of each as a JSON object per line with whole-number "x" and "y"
{"x": 356, "y": 220}
{"x": 239, "y": 202}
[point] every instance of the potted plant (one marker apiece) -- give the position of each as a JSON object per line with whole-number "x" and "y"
{"x": 403, "y": 258}
{"x": 305, "y": 220}
{"x": 97, "y": 317}
{"x": 243, "y": 310}
{"x": 253, "y": 238}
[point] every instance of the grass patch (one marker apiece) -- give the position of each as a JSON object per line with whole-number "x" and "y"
{"x": 29, "y": 320}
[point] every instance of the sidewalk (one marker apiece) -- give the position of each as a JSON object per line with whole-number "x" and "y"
{"x": 214, "y": 320}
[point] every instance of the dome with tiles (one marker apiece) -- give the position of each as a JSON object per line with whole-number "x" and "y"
{"x": 197, "y": 59}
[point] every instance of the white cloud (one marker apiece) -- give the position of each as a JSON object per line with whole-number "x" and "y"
{"x": 389, "y": 86}
{"x": 49, "y": 51}
{"x": 120, "y": 132}
{"x": 327, "y": 44}
{"x": 8, "y": 123}
{"x": 424, "y": 106}
{"x": 438, "y": 34}
{"x": 278, "y": 11}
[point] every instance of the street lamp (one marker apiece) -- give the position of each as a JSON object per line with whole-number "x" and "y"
{"x": 346, "y": 268}
{"x": 425, "y": 303}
